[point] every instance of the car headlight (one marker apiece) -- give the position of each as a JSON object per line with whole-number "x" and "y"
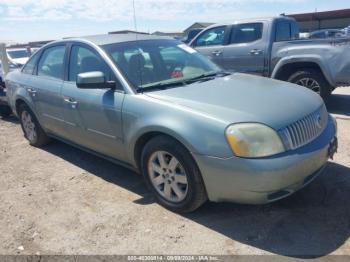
{"x": 253, "y": 140}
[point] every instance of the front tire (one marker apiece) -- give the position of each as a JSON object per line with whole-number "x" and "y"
{"x": 172, "y": 175}
{"x": 312, "y": 79}
{"x": 32, "y": 130}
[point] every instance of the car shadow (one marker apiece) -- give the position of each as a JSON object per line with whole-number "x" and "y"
{"x": 10, "y": 119}
{"x": 339, "y": 104}
{"x": 311, "y": 223}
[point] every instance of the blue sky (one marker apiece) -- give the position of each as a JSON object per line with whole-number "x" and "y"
{"x": 30, "y": 20}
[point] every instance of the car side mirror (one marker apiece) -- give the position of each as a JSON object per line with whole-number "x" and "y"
{"x": 94, "y": 80}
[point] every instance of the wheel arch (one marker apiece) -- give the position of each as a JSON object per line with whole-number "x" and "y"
{"x": 20, "y": 101}
{"x": 284, "y": 69}
{"x": 145, "y": 137}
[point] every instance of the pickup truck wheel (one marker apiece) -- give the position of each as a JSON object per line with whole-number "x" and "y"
{"x": 32, "y": 130}
{"x": 312, "y": 79}
{"x": 5, "y": 111}
{"x": 172, "y": 175}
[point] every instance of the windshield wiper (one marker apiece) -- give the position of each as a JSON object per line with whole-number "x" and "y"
{"x": 160, "y": 86}
{"x": 207, "y": 76}
{"x": 163, "y": 86}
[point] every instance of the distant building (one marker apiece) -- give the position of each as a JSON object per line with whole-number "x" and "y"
{"x": 197, "y": 25}
{"x": 171, "y": 34}
{"x": 30, "y": 44}
{"x": 336, "y": 19}
{"x": 127, "y": 32}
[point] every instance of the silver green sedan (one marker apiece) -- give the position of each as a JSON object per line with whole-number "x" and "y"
{"x": 157, "y": 106}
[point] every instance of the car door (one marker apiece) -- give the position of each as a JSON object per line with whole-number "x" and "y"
{"x": 211, "y": 43}
{"x": 44, "y": 86}
{"x": 92, "y": 117}
{"x": 246, "y": 49}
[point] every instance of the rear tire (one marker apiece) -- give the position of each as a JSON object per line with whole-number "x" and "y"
{"x": 177, "y": 172}
{"x": 32, "y": 130}
{"x": 312, "y": 79}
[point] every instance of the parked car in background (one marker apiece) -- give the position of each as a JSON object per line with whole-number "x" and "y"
{"x": 18, "y": 56}
{"x": 13, "y": 64}
{"x": 327, "y": 33}
{"x": 5, "y": 110}
{"x": 158, "y": 106}
{"x": 272, "y": 48}
{"x": 191, "y": 34}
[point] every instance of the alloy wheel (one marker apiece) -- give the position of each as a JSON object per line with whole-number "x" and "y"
{"x": 28, "y": 126}
{"x": 168, "y": 176}
{"x": 309, "y": 83}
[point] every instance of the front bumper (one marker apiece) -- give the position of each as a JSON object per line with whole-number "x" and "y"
{"x": 258, "y": 181}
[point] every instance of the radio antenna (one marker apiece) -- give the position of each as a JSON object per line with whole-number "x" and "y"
{"x": 139, "y": 53}
{"x": 135, "y": 23}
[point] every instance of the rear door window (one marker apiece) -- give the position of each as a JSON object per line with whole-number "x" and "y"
{"x": 283, "y": 31}
{"x": 245, "y": 33}
{"x": 51, "y": 62}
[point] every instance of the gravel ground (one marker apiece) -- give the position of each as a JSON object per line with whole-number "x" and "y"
{"x": 60, "y": 200}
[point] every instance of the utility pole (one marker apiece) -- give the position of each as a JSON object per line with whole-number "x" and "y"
{"x": 4, "y": 59}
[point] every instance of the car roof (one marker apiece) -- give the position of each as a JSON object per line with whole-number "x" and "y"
{"x": 115, "y": 38}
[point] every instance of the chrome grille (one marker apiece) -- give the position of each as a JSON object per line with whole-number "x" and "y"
{"x": 305, "y": 130}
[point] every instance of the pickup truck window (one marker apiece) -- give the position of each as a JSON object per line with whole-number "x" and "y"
{"x": 295, "y": 30}
{"x": 283, "y": 31}
{"x": 286, "y": 31}
{"x": 213, "y": 36}
{"x": 245, "y": 33}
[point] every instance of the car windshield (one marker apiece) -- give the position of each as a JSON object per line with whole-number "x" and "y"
{"x": 17, "y": 53}
{"x": 159, "y": 62}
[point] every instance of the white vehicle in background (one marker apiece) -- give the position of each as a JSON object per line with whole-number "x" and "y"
{"x": 347, "y": 31}
{"x": 18, "y": 56}
{"x": 304, "y": 35}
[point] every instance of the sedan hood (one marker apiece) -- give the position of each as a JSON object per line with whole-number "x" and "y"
{"x": 245, "y": 98}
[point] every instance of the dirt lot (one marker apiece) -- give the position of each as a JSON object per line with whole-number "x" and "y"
{"x": 60, "y": 200}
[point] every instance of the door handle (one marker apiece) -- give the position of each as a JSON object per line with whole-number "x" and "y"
{"x": 71, "y": 101}
{"x": 31, "y": 91}
{"x": 256, "y": 52}
{"x": 216, "y": 52}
